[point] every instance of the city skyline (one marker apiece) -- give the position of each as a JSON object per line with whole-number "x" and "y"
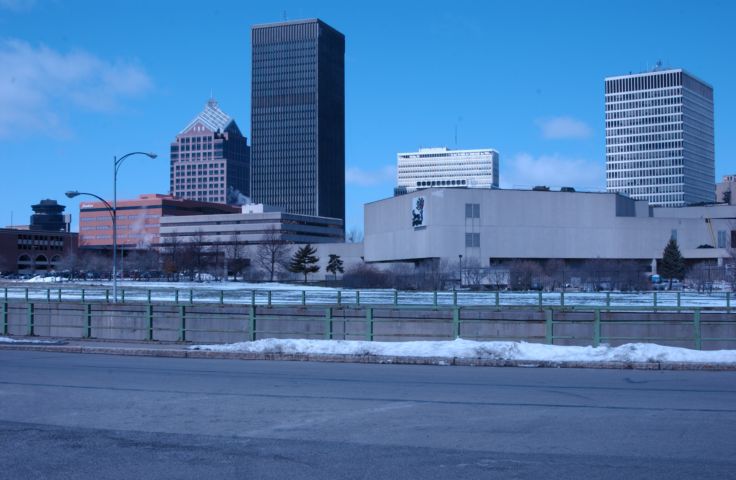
{"x": 546, "y": 122}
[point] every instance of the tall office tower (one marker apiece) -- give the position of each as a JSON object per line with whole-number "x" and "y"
{"x": 298, "y": 117}
{"x": 442, "y": 167}
{"x": 659, "y": 137}
{"x": 210, "y": 159}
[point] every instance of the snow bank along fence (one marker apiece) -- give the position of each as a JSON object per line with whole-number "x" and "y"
{"x": 77, "y": 293}
{"x": 693, "y": 327}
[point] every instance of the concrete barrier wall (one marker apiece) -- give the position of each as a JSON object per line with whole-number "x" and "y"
{"x": 217, "y": 323}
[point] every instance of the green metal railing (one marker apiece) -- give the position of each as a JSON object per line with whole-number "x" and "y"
{"x": 436, "y": 299}
{"x": 694, "y": 327}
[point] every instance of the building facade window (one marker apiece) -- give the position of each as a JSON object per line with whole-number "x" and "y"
{"x": 472, "y": 210}
{"x": 472, "y": 240}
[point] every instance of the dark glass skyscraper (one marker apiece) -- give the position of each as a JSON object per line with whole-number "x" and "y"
{"x": 298, "y": 117}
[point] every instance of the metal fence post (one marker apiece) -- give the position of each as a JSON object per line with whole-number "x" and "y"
{"x": 191, "y": 296}
{"x": 456, "y": 322}
{"x": 304, "y": 297}
{"x": 269, "y": 298}
{"x": 562, "y": 299}
{"x": 59, "y": 295}
{"x": 728, "y": 302}
{"x": 122, "y": 295}
{"x": 182, "y": 323}
{"x": 654, "y": 298}
{"x": 434, "y": 299}
{"x": 597, "y": 327}
{"x": 5, "y": 318}
{"x": 369, "y": 324}
{"x": 107, "y": 295}
{"x": 252, "y": 298}
{"x": 328, "y": 323}
{"x": 6, "y": 293}
{"x": 176, "y": 296}
{"x": 357, "y": 297}
{"x": 48, "y": 295}
{"x": 26, "y": 294}
{"x": 88, "y": 321}
{"x": 222, "y": 297}
{"x": 339, "y": 297}
{"x": 696, "y": 326}
{"x": 678, "y": 300}
{"x": 498, "y": 298}
{"x": 608, "y": 300}
{"x": 149, "y": 318}
{"x": 148, "y": 296}
{"x": 252, "y": 323}
{"x": 454, "y": 297}
{"x": 548, "y": 330}
{"x": 396, "y": 297}
{"x": 539, "y": 294}
{"x": 82, "y": 295}
{"x": 31, "y": 319}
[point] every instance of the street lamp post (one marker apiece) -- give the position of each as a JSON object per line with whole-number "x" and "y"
{"x": 117, "y": 162}
{"x": 110, "y": 210}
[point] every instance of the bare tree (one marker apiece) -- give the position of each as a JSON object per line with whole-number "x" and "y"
{"x": 354, "y": 235}
{"x": 472, "y": 272}
{"x": 172, "y": 252}
{"x": 272, "y": 253}
{"x": 524, "y": 275}
{"x": 195, "y": 259}
{"x": 236, "y": 260}
{"x": 554, "y": 271}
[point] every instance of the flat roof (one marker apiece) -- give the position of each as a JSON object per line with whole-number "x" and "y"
{"x": 295, "y": 22}
{"x": 655, "y": 72}
{"x": 528, "y": 190}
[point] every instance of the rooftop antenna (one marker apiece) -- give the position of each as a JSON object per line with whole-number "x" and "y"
{"x": 459, "y": 119}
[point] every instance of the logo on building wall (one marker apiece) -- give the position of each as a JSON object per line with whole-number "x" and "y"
{"x": 417, "y": 212}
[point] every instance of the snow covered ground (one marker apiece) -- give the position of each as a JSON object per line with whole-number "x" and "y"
{"x": 242, "y": 292}
{"x": 631, "y": 352}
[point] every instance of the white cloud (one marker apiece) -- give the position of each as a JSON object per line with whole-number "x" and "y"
{"x": 525, "y": 170}
{"x": 37, "y": 83}
{"x": 17, "y": 5}
{"x": 369, "y": 178}
{"x": 564, "y": 127}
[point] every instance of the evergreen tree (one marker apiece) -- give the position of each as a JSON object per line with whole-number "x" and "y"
{"x": 304, "y": 261}
{"x": 334, "y": 265}
{"x": 673, "y": 265}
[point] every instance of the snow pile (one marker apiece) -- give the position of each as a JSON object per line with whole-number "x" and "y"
{"x": 630, "y": 352}
{"x": 41, "y": 279}
{"x": 25, "y": 341}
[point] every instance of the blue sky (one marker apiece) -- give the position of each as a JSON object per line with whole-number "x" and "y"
{"x": 81, "y": 81}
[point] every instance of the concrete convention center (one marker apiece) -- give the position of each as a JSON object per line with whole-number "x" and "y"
{"x": 493, "y": 225}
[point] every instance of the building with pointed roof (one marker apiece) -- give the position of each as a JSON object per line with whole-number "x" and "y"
{"x": 210, "y": 159}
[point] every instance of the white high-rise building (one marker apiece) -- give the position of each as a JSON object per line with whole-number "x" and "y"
{"x": 659, "y": 137}
{"x": 442, "y": 167}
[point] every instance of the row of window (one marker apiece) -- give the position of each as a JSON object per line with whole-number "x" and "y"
{"x": 644, "y": 147}
{"x": 658, "y": 102}
{"x": 656, "y": 80}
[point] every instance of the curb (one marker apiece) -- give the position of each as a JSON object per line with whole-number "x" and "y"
{"x": 374, "y": 359}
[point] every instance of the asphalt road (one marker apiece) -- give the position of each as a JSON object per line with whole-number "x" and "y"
{"x": 87, "y": 416}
